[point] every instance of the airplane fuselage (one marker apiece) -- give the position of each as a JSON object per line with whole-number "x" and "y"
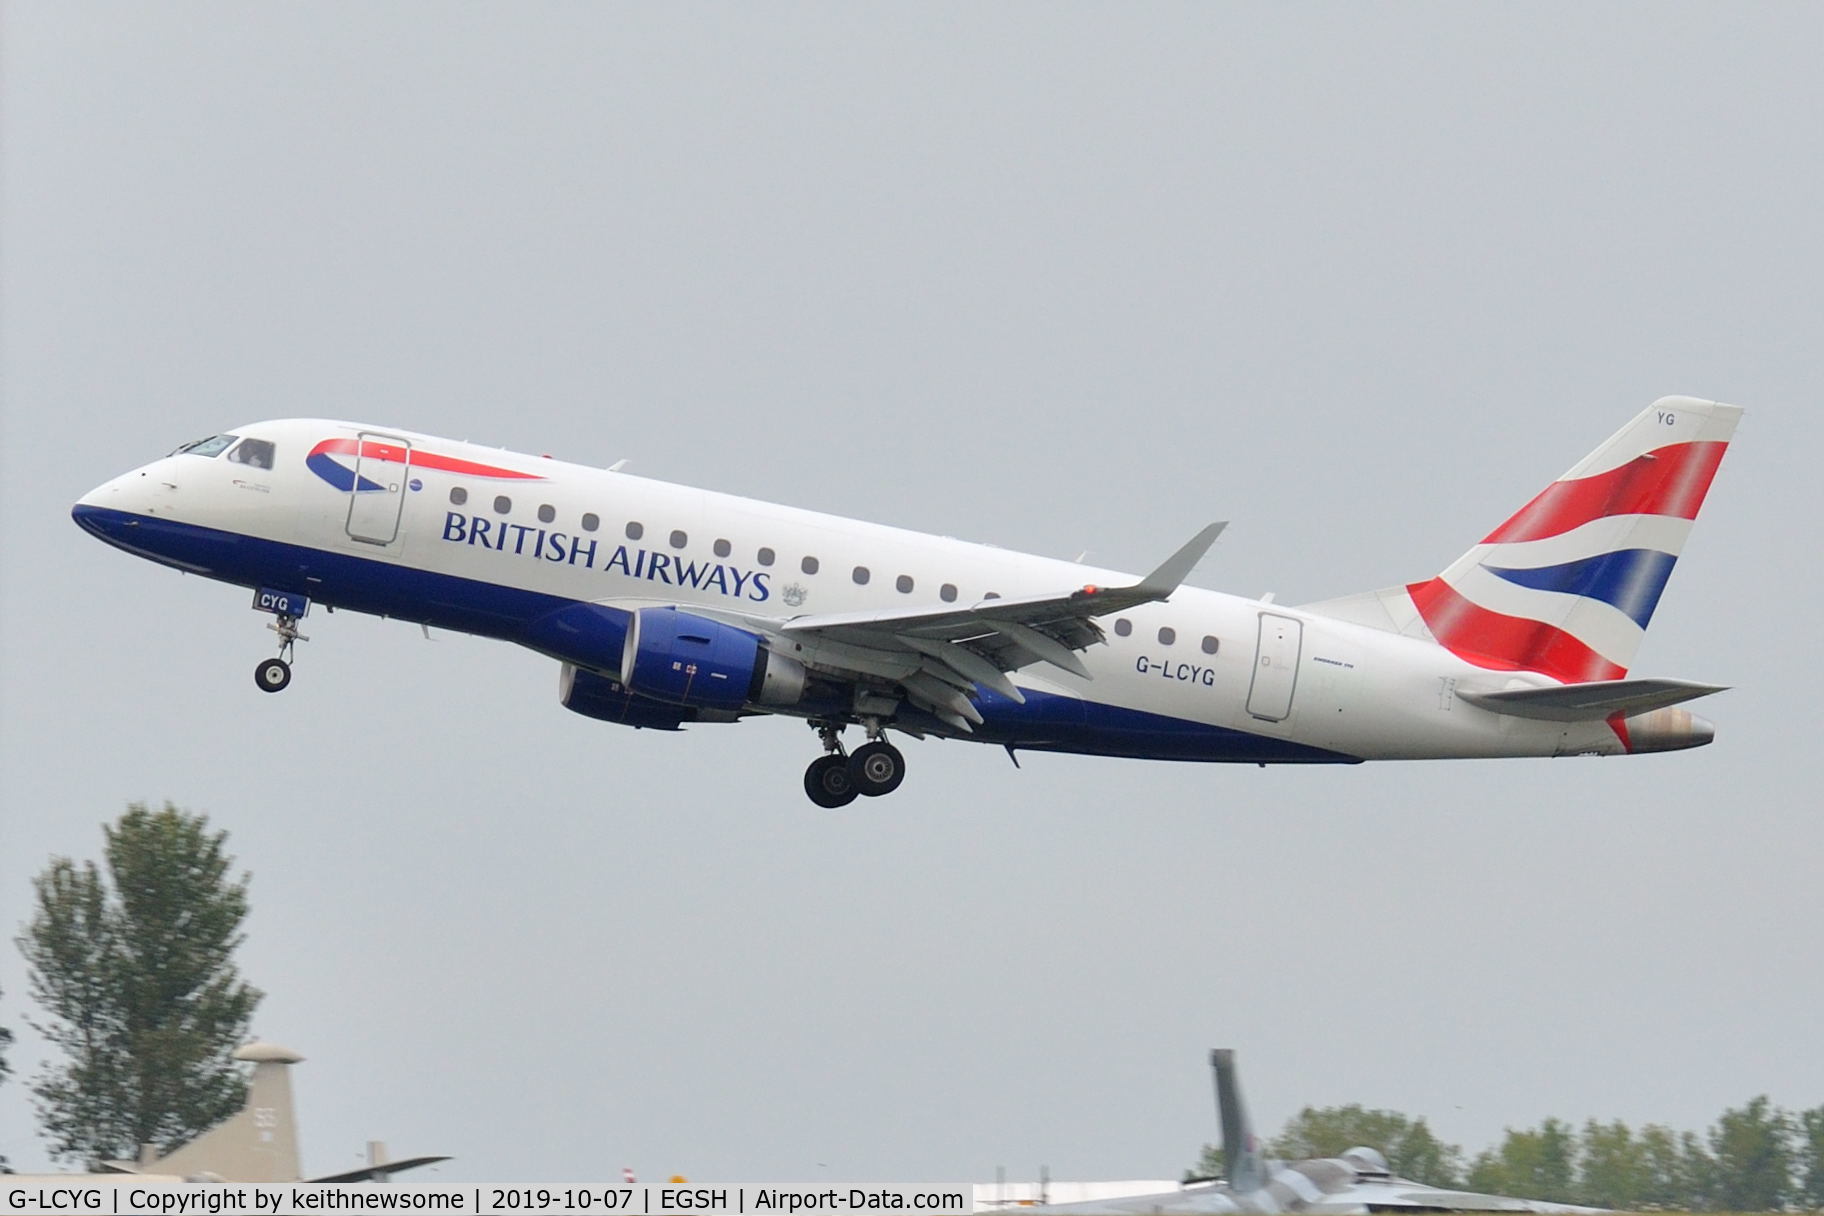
{"x": 462, "y": 537}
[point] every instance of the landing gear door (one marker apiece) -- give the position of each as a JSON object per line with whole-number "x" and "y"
{"x": 1275, "y": 667}
{"x": 383, "y": 466}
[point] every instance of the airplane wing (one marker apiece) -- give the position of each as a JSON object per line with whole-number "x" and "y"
{"x": 1592, "y": 701}
{"x": 940, "y": 654}
{"x": 379, "y": 1170}
{"x": 1423, "y": 1198}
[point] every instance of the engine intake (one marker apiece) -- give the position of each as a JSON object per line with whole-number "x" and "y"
{"x": 684, "y": 659}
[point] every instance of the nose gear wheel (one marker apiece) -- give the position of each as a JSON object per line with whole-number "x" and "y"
{"x": 272, "y": 675}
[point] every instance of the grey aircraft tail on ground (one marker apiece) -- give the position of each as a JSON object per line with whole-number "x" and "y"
{"x": 1358, "y": 1181}
{"x": 258, "y": 1143}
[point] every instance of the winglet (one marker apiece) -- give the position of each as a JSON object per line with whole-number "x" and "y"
{"x": 1159, "y": 584}
{"x": 1173, "y": 571}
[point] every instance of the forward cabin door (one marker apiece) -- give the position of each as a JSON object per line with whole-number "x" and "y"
{"x": 1275, "y": 667}
{"x": 383, "y": 466}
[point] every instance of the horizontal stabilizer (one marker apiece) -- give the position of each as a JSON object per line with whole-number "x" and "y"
{"x": 1590, "y": 702}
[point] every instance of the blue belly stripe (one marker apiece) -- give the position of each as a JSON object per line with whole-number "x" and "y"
{"x": 557, "y": 625}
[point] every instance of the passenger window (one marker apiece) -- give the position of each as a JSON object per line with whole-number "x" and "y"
{"x": 808, "y": 565}
{"x": 765, "y": 556}
{"x": 254, "y": 452}
{"x": 1209, "y": 645}
{"x": 947, "y": 593}
{"x": 458, "y": 495}
{"x": 679, "y": 540}
{"x": 635, "y": 531}
{"x": 861, "y": 576}
{"x": 503, "y": 504}
{"x": 722, "y": 547}
{"x": 991, "y": 595}
{"x": 1123, "y": 627}
{"x": 904, "y": 583}
{"x": 546, "y": 513}
{"x": 591, "y": 521}
{"x": 1167, "y": 635}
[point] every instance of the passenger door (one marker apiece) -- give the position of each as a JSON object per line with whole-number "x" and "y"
{"x": 1275, "y": 667}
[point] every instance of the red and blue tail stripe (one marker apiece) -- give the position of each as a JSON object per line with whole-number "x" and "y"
{"x": 1568, "y": 584}
{"x": 1630, "y": 580}
{"x": 1667, "y": 481}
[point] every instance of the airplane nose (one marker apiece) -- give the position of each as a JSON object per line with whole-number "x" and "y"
{"x": 96, "y": 519}
{"x": 111, "y": 507}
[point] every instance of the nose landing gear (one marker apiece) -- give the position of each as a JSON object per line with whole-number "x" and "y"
{"x": 837, "y": 778}
{"x": 272, "y": 675}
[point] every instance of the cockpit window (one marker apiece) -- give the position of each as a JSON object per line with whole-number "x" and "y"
{"x": 255, "y": 452}
{"x": 211, "y": 446}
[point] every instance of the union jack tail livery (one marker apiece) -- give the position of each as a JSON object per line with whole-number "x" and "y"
{"x": 1567, "y": 586}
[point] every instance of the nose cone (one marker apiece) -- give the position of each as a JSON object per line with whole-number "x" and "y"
{"x": 99, "y": 512}
{"x": 102, "y": 522}
{"x": 115, "y": 511}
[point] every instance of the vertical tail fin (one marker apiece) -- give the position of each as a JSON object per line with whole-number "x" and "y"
{"x": 1567, "y": 586}
{"x": 258, "y": 1143}
{"x": 1241, "y": 1160}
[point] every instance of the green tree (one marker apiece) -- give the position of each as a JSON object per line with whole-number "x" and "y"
{"x": 1809, "y": 1126}
{"x": 1675, "y": 1171}
{"x": 1752, "y": 1149}
{"x": 1210, "y": 1162}
{"x": 1538, "y": 1164}
{"x": 1408, "y": 1144}
{"x": 1613, "y": 1170}
{"x": 6, "y": 1037}
{"x": 136, "y": 974}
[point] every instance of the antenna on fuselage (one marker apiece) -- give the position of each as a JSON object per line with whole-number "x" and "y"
{"x": 618, "y": 465}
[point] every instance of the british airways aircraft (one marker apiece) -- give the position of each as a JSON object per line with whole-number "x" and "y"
{"x": 667, "y": 605}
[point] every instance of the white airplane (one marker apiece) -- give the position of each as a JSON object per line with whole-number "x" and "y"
{"x": 1358, "y": 1181}
{"x": 668, "y": 605}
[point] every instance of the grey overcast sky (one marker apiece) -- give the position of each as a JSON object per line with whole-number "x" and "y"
{"x": 1062, "y": 277}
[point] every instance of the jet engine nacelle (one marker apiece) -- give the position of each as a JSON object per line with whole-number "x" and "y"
{"x": 684, "y": 659}
{"x": 584, "y": 692}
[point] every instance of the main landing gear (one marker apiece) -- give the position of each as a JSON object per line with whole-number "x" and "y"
{"x": 837, "y": 778}
{"x": 272, "y": 675}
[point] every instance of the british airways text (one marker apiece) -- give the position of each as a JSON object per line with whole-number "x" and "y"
{"x": 525, "y": 540}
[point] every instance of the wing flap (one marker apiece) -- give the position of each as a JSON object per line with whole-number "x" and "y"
{"x": 937, "y": 656}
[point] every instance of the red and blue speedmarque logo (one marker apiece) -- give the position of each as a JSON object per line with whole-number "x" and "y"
{"x": 323, "y": 461}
